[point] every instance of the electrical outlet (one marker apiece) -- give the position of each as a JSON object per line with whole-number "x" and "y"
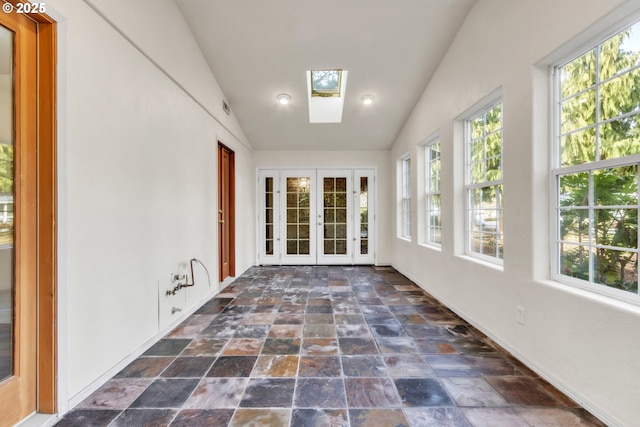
{"x": 520, "y": 315}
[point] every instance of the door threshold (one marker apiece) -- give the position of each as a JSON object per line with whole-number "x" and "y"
{"x": 39, "y": 420}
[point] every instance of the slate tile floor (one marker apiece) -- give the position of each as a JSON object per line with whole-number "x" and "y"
{"x": 327, "y": 347}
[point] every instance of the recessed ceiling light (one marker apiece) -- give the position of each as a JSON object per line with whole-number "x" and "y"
{"x": 367, "y": 99}
{"x": 283, "y": 98}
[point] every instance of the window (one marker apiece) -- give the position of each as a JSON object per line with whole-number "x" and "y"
{"x": 484, "y": 202}
{"x": 406, "y": 197}
{"x": 596, "y": 168}
{"x": 433, "y": 191}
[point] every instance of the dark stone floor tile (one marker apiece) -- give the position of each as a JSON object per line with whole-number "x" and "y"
{"x": 419, "y": 392}
{"x": 281, "y": 346}
{"x": 357, "y": 346}
{"x": 474, "y": 392}
{"x": 288, "y": 319}
{"x": 319, "y": 366}
{"x": 168, "y": 347}
{"x": 388, "y": 331}
{"x": 363, "y": 366}
{"x": 276, "y": 366}
{"x": 318, "y": 319}
{"x": 292, "y": 308}
{"x": 205, "y": 347}
{"x": 252, "y": 331}
{"x": 377, "y": 418}
{"x": 489, "y": 365}
{"x": 268, "y": 393}
{"x": 494, "y": 417}
{"x": 371, "y": 393}
{"x": 216, "y": 393}
{"x": 117, "y": 393}
{"x": 319, "y": 346}
{"x": 145, "y": 367}
{"x": 166, "y": 393}
{"x": 191, "y": 327}
{"x": 219, "y": 331}
{"x": 88, "y": 417}
{"x": 319, "y": 417}
{"x": 407, "y": 365}
{"x": 250, "y": 417}
{"x": 396, "y": 345}
{"x": 214, "y": 306}
{"x": 188, "y": 367}
{"x": 353, "y": 331}
{"x": 232, "y": 366}
{"x": 434, "y": 346}
{"x": 473, "y": 347}
{"x": 319, "y": 393}
{"x": 319, "y": 331}
{"x": 144, "y": 418}
{"x": 319, "y": 309}
{"x": 349, "y": 319}
{"x": 523, "y": 391}
{"x": 203, "y": 418}
{"x": 450, "y": 366}
{"x": 243, "y": 347}
{"x": 428, "y": 331}
{"x": 381, "y": 319}
{"x": 411, "y": 319}
{"x": 440, "y": 417}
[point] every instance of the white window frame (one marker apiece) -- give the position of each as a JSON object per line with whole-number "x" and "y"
{"x": 482, "y": 108}
{"x": 557, "y": 170}
{"x": 430, "y": 192}
{"x": 404, "y": 211}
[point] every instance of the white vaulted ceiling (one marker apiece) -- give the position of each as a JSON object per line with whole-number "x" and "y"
{"x": 259, "y": 48}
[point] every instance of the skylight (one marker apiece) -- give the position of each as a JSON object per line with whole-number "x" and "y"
{"x": 326, "y": 82}
{"x": 326, "y": 95}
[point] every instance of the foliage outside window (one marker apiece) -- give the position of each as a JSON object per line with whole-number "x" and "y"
{"x": 484, "y": 184}
{"x": 6, "y": 194}
{"x": 598, "y": 104}
{"x": 326, "y": 83}
{"x": 406, "y": 197}
{"x": 433, "y": 192}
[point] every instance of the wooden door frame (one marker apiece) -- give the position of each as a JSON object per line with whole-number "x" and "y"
{"x": 41, "y": 220}
{"x": 231, "y": 214}
{"x": 47, "y": 300}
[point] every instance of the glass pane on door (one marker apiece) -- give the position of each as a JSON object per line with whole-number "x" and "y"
{"x": 6, "y": 203}
{"x": 298, "y": 218}
{"x": 364, "y": 215}
{"x": 335, "y": 215}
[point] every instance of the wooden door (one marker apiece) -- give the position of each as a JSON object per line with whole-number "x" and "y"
{"x": 27, "y": 215}
{"x": 226, "y": 212}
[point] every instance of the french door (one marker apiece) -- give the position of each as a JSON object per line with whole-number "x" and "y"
{"x": 311, "y": 216}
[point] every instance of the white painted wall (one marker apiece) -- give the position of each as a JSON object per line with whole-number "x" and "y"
{"x": 344, "y": 159}
{"x": 139, "y": 180}
{"x": 584, "y": 343}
